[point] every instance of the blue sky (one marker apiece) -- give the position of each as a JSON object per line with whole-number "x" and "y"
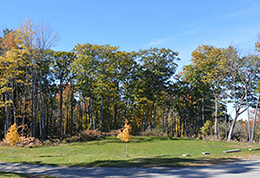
{"x": 180, "y": 25}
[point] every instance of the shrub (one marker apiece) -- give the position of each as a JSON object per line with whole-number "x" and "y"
{"x": 111, "y": 133}
{"x": 156, "y": 132}
{"x": 85, "y": 135}
{"x": 25, "y": 141}
{"x": 30, "y": 142}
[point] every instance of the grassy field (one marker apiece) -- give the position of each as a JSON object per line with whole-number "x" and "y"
{"x": 142, "y": 151}
{"x": 15, "y": 175}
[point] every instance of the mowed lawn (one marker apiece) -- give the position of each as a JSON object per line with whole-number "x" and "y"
{"x": 142, "y": 152}
{"x": 16, "y": 175}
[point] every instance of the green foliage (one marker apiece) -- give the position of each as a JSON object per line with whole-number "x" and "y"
{"x": 158, "y": 66}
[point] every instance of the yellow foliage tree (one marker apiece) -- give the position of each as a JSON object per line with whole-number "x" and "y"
{"x": 12, "y": 136}
{"x": 125, "y": 134}
{"x": 207, "y": 128}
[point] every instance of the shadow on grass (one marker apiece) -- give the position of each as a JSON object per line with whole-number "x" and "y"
{"x": 154, "y": 162}
{"x": 160, "y": 161}
{"x": 48, "y": 156}
{"x": 37, "y": 163}
{"x": 144, "y": 139}
{"x": 135, "y": 139}
{"x": 10, "y": 174}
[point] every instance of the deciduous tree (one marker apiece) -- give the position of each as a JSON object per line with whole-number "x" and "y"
{"x": 13, "y": 137}
{"x": 61, "y": 68}
{"x": 124, "y": 135}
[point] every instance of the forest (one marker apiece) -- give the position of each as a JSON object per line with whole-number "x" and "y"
{"x": 58, "y": 94}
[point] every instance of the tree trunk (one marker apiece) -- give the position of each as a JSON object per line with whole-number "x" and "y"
{"x": 40, "y": 123}
{"x": 44, "y": 117}
{"x": 216, "y": 117}
{"x": 237, "y": 113}
{"x": 35, "y": 108}
{"x": 234, "y": 123}
{"x": 60, "y": 109}
{"x": 32, "y": 107}
{"x": 225, "y": 123}
{"x": 90, "y": 114}
{"x": 253, "y": 127}
{"x": 248, "y": 118}
{"x": 123, "y": 123}
{"x": 101, "y": 113}
{"x": 71, "y": 111}
{"x": 13, "y": 103}
{"x": 126, "y": 151}
{"x": 67, "y": 117}
{"x": 47, "y": 116}
{"x": 40, "y": 117}
{"x": 232, "y": 127}
{"x": 7, "y": 109}
{"x": 153, "y": 116}
{"x": 85, "y": 112}
{"x": 172, "y": 121}
{"x": 185, "y": 126}
{"x": 166, "y": 122}
{"x": 51, "y": 118}
{"x": 109, "y": 120}
{"x": 93, "y": 115}
{"x": 93, "y": 124}
{"x": 80, "y": 117}
{"x": 24, "y": 100}
{"x": 203, "y": 111}
{"x": 13, "y": 151}
{"x": 144, "y": 116}
{"x": 42, "y": 105}
{"x": 115, "y": 115}
{"x": 17, "y": 101}
{"x": 24, "y": 112}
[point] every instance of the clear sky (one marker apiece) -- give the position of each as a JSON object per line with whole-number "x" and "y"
{"x": 180, "y": 25}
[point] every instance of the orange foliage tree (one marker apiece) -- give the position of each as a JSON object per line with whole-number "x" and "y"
{"x": 12, "y": 136}
{"x": 125, "y": 134}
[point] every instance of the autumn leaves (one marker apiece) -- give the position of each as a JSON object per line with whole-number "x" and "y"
{"x": 12, "y": 136}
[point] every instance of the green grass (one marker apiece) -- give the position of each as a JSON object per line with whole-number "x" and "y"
{"x": 142, "y": 151}
{"x": 16, "y": 175}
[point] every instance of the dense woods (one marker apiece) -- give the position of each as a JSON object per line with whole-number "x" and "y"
{"x": 58, "y": 94}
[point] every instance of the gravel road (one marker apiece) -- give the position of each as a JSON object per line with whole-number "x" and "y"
{"x": 238, "y": 169}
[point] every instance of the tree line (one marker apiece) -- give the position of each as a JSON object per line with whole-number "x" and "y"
{"x": 57, "y": 94}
